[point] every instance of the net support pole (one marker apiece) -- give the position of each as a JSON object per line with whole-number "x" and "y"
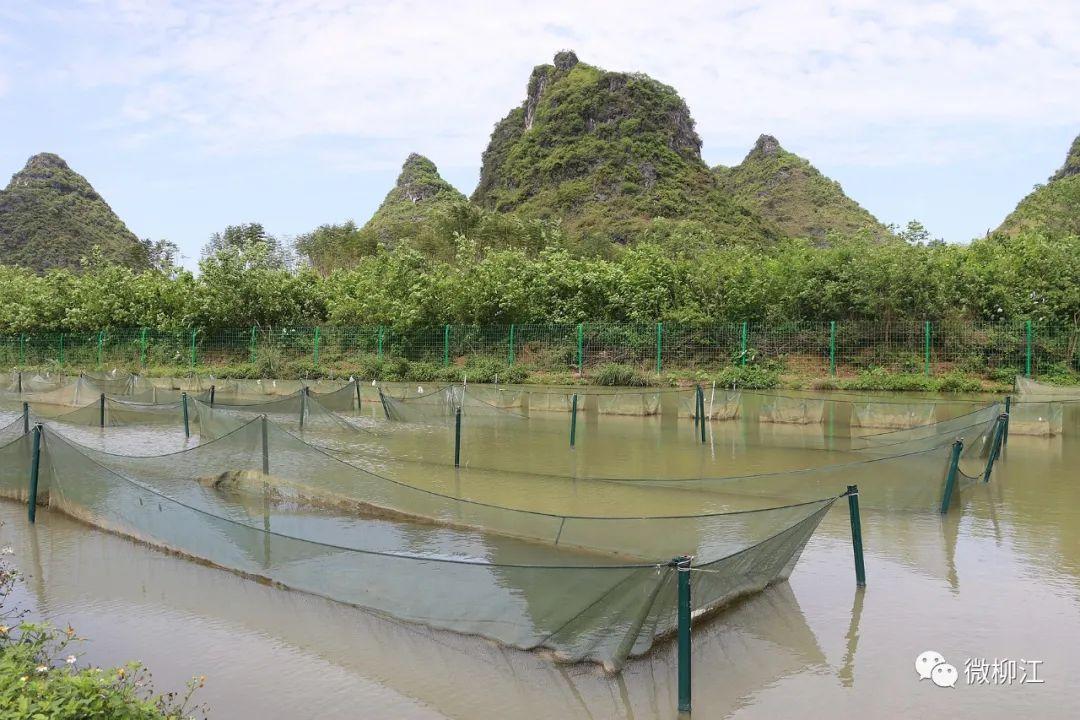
{"x": 356, "y": 386}
{"x": 745, "y": 341}
{"x": 26, "y": 418}
{"x": 1008, "y": 415}
{"x": 213, "y": 392}
{"x": 184, "y": 407}
{"x": 832, "y": 347}
{"x": 580, "y": 348}
{"x": 35, "y": 464}
{"x": 701, "y": 405}
{"x": 303, "y": 404}
{"x": 682, "y": 567}
{"x": 101, "y": 410}
{"x": 950, "y": 477}
{"x": 573, "y": 420}
{"x": 856, "y": 534}
{"x": 926, "y": 346}
{"x": 457, "y": 437}
{"x": 265, "y": 447}
{"x": 659, "y": 347}
{"x": 315, "y": 358}
{"x": 1027, "y": 353}
{"x": 510, "y": 349}
{"x": 995, "y": 446}
{"x": 18, "y": 382}
{"x": 142, "y": 348}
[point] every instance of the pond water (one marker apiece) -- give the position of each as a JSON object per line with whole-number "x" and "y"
{"x": 996, "y": 578}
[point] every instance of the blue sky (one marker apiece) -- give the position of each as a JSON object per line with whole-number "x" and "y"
{"x": 188, "y": 116}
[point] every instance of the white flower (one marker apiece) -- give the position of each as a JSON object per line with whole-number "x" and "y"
{"x": 70, "y": 659}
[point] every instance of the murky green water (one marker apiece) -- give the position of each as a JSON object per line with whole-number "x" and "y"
{"x": 999, "y": 579}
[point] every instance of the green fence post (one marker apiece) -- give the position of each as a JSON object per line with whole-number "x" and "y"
{"x": 380, "y": 342}
{"x": 856, "y": 534}
{"x": 832, "y": 347}
{"x": 61, "y": 350}
{"x": 184, "y": 407}
{"x": 265, "y": 448}
{"x": 745, "y": 340}
{"x": 580, "y": 348}
{"x": 511, "y": 352}
{"x": 659, "y": 346}
{"x": 100, "y": 346}
{"x": 446, "y": 346}
{"x": 1027, "y": 356}
{"x": 1008, "y": 415}
{"x": 457, "y": 436}
{"x": 254, "y": 336}
{"x": 682, "y": 571}
{"x": 142, "y": 348}
{"x": 950, "y": 478}
{"x": 35, "y": 463}
{"x": 193, "y": 357}
{"x": 573, "y": 420}
{"x": 926, "y": 345}
{"x": 22, "y": 348}
{"x": 995, "y": 446}
{"x": 316, "y": 360}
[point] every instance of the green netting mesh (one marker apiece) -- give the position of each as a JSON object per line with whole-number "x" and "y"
{"x": 587, "y": 588}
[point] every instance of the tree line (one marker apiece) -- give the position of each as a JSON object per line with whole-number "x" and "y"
{"x": 676, "y": 274}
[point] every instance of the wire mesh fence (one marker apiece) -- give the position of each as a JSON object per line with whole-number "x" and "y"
{"x": 813, "y": 348}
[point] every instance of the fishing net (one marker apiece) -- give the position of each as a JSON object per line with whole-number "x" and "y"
{"x": 1032, "y": 389}
{"x": 1031, "y": 417}
{"x": 586, "y": 588}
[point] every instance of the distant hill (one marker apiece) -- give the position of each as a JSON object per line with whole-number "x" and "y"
{"x": 793, "y": 195}
{"x": 50, "y": 216}
{"x": 419, "y": 195}
{"x": 1053, "y": 208}
{"x": 606, "y": 152}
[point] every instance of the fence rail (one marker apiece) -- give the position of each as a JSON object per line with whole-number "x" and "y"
{"x": 822, "y": 348}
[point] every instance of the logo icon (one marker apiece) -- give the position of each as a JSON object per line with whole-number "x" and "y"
{"x": 931, "y": 665}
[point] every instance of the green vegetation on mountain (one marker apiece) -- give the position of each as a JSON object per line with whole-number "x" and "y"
{"x": 418, "y": 201}
{"x": 1053, "y": 208}
{"x": 50, "y": 216}
{"x": 789, "y": 192}
{"x": 606, "y": 153}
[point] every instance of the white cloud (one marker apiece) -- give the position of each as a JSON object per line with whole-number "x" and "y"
{"x": 865, "y": 82}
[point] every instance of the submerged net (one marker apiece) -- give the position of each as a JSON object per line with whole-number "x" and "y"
{"x": 586, "y": 588}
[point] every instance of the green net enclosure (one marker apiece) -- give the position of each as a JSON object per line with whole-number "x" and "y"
{"x": 584, "y": 588}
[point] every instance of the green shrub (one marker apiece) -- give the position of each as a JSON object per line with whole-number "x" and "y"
{"x": 621, "y": 375}
{"x": 751, "y": 377}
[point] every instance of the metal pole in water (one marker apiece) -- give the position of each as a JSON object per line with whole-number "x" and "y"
{"x": 303, "y": 403}
{"x": 950, "y": 478}
{"x": 18, "y": 387}
{"x": 101, "y": 410}
{"x": 26, "y": 418}
{"x": 213, "y": 391}
{"x": 356, "y": 384}
{"x": 995, "y": 447}
{"x": 856, "y": 534}
{"x": 682, "y": 565}
{"x": 35, "y": 462}
{"x": 573, "y": 420}
{"x": 701, "y": 405}
{"x": 183, "y": 404}
{"x": 1008, "y": 416}
{"x": 457, "y": 437}
{"x": 265, "y": 449}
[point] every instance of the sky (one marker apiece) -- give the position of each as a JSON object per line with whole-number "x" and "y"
{"x": 188, "y": 116}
